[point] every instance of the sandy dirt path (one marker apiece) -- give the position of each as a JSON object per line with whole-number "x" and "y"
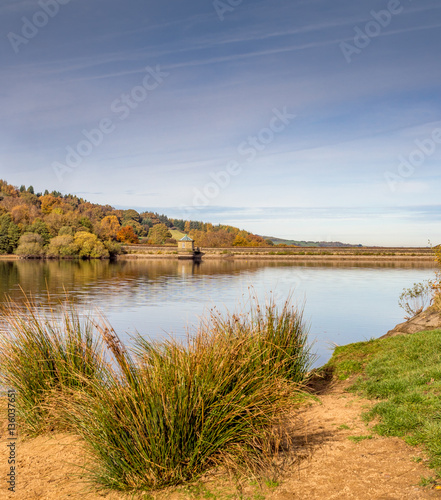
{"x": 333, "y": 466}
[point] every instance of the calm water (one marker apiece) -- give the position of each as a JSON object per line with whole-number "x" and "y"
{"x": 342, "y": 303}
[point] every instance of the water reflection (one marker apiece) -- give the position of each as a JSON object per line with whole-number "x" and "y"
{"x": 93, "y": 277}
{"x": 344, "y": 302}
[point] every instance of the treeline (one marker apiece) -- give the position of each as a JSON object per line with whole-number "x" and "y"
{"x": 225, "y": 236}
{"x": 55, "y": 225}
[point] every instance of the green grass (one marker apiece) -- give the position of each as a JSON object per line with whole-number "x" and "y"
{"x": 357, "y": 439}
{"x": 403, "y": 375}
{"x": 177, "y": 234}
{"x": 427, "y": 482}
{"x": 271, "y": 484}
{"x": 198, "y": 490}
{"x": 350, "y": 359}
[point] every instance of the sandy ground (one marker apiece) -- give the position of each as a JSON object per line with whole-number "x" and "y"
{"x": 335, "y": 467}
{"x": 324, "y": 464}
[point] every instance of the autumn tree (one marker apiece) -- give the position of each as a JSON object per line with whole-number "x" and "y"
{"x": 109, "y": 227}
{"x": 41, "y": 228}
{"x": 89, "y": 246}
{"x": 47, "y": 203}
{"x": 151, "y": 217}
{"x": 55, "y": 221}
{"x": 158, "y": 234}
{"x": 65, "y": 231}
{"x": 30, "y": 198}
{"x": 7, "y": 190}
{"x": 86, "y": 223}
{"x": 62, "y": 246}
{"x": 113, "y": 248}
{"x": 30, "y": 245}
{"x": 127, "y": 235}
{"x": 240, "y": 241}
{"x": 139, "y": 229}
{"x": 21, "y": 214}
{"x": 129, "y": 216}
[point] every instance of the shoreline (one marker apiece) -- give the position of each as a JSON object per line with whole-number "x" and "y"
{"x": 299, "y": 258}
{"x": 283, "y": 254}
{"x": 425, "y": 260}
{"x": 422, "y": 255}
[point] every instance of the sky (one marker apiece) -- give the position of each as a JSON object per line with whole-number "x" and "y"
{"x": 300, "y": 119}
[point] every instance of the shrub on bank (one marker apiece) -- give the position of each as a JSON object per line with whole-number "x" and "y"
{"x": 62, "y": 246}
{"x": 30, "y": 245}
{"x": 89, "y": 246}
{"x": 167, "y": 411}
{"x": 83, "y": 245}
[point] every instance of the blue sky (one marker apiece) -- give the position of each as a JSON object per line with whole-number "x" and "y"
{"x": 312, "y": 119}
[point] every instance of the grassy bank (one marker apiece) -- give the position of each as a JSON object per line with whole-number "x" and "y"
{"x": 158, "y": 413}
{"x": 403, "y": 376}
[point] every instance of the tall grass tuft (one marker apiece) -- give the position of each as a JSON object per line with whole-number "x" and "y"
{"x": 172, "y": 410}
{"x": 45, "y": 354}
{"x": 280, "y": 335}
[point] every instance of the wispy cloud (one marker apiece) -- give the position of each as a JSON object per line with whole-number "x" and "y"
{"x": 352, "y": 121}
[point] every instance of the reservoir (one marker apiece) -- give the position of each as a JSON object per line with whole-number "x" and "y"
{"x": 342, "y": 302}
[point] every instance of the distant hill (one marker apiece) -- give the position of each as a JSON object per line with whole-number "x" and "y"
{"x": 52, "y": 224}
{"x": 281, "y": 241}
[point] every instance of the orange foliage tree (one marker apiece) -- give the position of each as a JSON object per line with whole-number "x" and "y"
{"x": 127, "y": 235}
{"x": 20, "y": 214}
{"x": 47, "y": 203}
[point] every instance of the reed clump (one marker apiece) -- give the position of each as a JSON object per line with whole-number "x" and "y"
{"x": 279, "y": 336}
{"x": 168, "y": 411}
{"x": 43, "y": 354}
